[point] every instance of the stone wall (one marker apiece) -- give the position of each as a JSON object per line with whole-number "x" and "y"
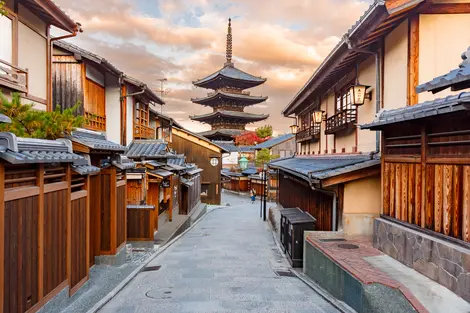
{"x": 441, "y": 261}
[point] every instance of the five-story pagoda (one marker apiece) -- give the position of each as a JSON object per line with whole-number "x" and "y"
{"x": 228, "y": 99}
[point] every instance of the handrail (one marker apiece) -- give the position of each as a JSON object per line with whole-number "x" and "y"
{"x": 309, "y": 133}
{"x": 13, "y": 76}
{"x": 340, "y": 120}
{"x": 143, "y": 132}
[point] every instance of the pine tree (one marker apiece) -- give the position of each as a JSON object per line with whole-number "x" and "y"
{"x": 31, "y": 123}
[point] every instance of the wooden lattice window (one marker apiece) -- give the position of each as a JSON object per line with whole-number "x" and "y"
{"x": 343, "y": 99}
{"x": 142, "y": 130}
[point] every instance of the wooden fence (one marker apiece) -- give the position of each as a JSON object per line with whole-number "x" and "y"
{"x": 43, "y": 243}
{"x": 426, "y": 176}
{"x": 190, "y": 195}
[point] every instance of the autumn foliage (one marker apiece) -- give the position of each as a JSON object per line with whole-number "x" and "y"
{"x": 248, "y": 138}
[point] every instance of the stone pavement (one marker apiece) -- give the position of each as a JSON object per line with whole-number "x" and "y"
{"x": 226, "y": 263}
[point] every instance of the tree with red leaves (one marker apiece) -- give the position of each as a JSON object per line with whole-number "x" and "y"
{"x": 248, "y": 138}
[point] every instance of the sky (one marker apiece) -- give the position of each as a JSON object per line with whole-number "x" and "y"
{"x": 184, "y": 40}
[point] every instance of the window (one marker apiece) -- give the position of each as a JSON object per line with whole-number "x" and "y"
{"x": 343, "y": 99}
{"x": 142, "y": 114}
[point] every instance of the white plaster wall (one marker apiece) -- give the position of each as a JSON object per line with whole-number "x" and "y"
{"x": 129, "y": 116}
{"x": 365, "y": 138}
{"x": 113, "y": 108}
{"x": 396, "y": 67}
{"x": 32, "y": 20}
{"x": 32, "y": 55}
{"x": 442, "y": 39}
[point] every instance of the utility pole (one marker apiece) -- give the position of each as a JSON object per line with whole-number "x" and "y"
{"x": 161, "y": 91}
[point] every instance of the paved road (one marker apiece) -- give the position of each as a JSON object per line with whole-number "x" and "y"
{"x": 225, "y": 263}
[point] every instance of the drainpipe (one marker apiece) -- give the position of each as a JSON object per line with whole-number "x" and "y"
{"x": 377, "y": 83}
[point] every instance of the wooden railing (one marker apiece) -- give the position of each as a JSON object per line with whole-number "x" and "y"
{"x": 143, "y": 132}
{"x": 311, "y": 133}
{"x": 344, "y": 120}
{"x": 94, "y": 121}
{"x": 13, "y": 77}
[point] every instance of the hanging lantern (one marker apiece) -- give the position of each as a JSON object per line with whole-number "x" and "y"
{"x": 293, "y": 129}
{"x": 243, "y": 163}
{"x": 318, "y": 116}
{"x": 358, "y": 94}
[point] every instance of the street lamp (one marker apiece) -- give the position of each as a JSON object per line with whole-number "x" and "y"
{"x": 293, "y": 129}
{"x": 243, "y": 163}
{"x": 265, "y": 189}
{"x": 318, "y": 116}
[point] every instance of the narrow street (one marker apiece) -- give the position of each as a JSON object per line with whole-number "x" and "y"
{"x": 226, "y": 263}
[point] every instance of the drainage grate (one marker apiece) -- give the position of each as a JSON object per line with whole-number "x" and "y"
{"x": 151, "y": 268}
{"x": 286, "y": 273}
{"x": 332, "y": 239}
{"x": 348, "y": 246}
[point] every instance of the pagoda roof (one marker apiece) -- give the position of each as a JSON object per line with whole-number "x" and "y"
{"x": 247, "y": 117}
{"x": 240, "y": 98}
{"x": 219, "y": 134}
{"x": 229, "y": 75}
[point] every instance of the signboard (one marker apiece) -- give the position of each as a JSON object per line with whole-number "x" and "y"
{"x": 165, "y": 184}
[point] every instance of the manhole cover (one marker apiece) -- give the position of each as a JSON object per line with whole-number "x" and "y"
{"x": 158, "y": 294}
{"x": 348, "y": 246}
{"x": 285, "y": 273}
{"x": 151, "y": 268}
{"x": 332, "y": 239}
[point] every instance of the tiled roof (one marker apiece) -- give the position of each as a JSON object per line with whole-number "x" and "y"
{"x": 147, "y": 149}
{"x": 28, "y": 150}
{"x": 250, "y": 171}
{"x": 220, "y": 95}
{"x": 321, "y": 167}
{"x": 122, "y": 162}
{"x": 161, "y": 173}
{"x": 457, "y": 79}
{"x": 194, "y": 171}
{"x": 231, "y": 114}
{"x": 95, "y": 140}
{"x": 230, "y": 72}
{"x": 201, "y": 137}
{"x": 450, "y": 104}
{"x": 148, "y": 92}
{"x": 88, "y": 55}
{"x": 85, "y": 169}
{"x": 223, "y": 132}
{"x": 4, "y": 119}
{"x": 274, "y": 141}
{"x": 177, "y": 161}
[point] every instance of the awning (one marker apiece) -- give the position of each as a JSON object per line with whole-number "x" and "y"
{"x": 194, "y": 172}
{"x": 176, "y": 167}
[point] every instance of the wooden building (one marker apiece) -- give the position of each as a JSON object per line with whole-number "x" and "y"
{"x": 25, "y": 48}
{"x": 207, "y": 156}
{"x": 228, "y": 99}
{"x": 393, "y": 47}
{"x": 44, "y": 217}
{"x": 426, "y": 180}
{"x": 108, "y": 195}
{"x": 104, "y": 93}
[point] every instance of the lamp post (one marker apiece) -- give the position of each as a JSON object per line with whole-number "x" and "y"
{"x": 265, "y": 189}
{"x": 243, "y": 162}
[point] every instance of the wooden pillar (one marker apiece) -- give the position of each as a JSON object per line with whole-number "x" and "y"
{"x": 2, "y": 234}
{"x": 413, "y": 59}
{"x": 113, "y": 210}
{"x": 68, "y": 177}
{"x": 40, "y": 184}
{"x": 87, "y": 234}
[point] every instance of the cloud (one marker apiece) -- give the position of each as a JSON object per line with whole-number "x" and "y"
{"x": 184, "y": 40}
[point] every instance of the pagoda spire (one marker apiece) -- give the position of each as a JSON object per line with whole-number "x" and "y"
{"x": 229, "y": 44}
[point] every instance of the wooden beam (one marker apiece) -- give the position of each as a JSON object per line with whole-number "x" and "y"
{"x": 444, "y": 8}
{"x": 78, "y": 147}
{"x": 88, "y": 226}
{"x": 79, "y": 194}
{"x": 413, "y": 59}
{"x": 466, "y": 204}
{"x": 56, "y": 186}
{"x": 363, "y": 173}
{"x": 113, "y": 210}
{"x": 19, "y": 193}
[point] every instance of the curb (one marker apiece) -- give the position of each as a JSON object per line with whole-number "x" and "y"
{"x": 341, "y": 306}
{"x": 132, "y": 275}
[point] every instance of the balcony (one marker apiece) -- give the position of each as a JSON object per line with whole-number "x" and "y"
{"x": 344, "y": 121}
{"x": 143, "y": 132}
{"x": 309, "y": 134}
{"x": 13, "y": 77}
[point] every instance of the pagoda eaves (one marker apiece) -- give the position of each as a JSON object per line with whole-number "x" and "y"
{"x": 229, "y": 76}
{"x": 220, "y": 98}
{"x": 229, "y": 116}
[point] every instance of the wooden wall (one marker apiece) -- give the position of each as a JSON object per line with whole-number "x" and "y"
{"x": 79, "y": 266}
{"x": 201, "y": 156}
{"x": 190, "y": 196}
{"x": 294, "y": 192}
{"x": 67, "y": 85}
{"x": 140, "y": 224}
{"x": 426, "y": 175}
